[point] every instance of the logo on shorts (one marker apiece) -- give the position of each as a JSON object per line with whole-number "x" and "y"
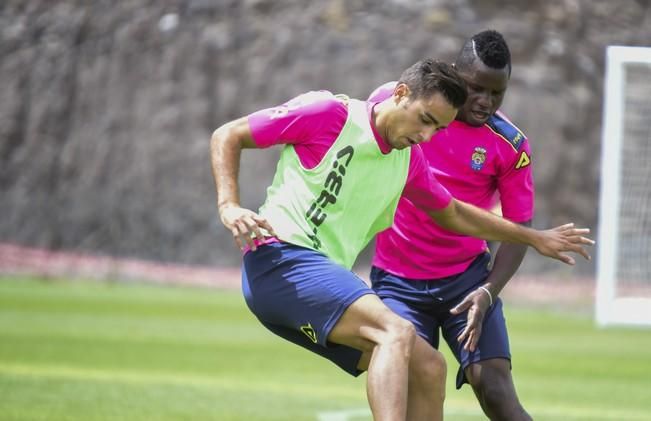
{"x": 309, "y": 332}
{"x": 478, "y": 158}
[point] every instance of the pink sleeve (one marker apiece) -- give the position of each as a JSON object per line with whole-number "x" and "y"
{"x": 515, "y": 184}
{"x": 422, "y": 188}
{"x": 382, "y": 92}
{"x": 313, "y": 117}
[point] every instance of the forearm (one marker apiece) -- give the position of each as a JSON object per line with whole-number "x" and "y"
{"x": 225, "y": 169}
{"x": 225, "y": 151}
{"x": 466, "y": 219}
{"x": 507, "y": 261}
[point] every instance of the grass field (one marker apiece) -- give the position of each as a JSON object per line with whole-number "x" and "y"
{"x": 111, "y": 351}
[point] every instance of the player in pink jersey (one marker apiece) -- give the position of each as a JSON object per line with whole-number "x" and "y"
{"x": 440, "y": 279}
{"x": 340, "y": 150}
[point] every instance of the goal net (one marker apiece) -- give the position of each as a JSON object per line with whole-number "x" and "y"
{"x": 624, "y": 254}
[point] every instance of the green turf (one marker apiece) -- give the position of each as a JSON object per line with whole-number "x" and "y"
{"x": 108, "y": 351}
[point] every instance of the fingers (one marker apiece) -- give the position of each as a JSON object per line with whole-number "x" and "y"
{"x": 252, "y": 227}
{"x": 564, "y": 227}
{"x": 461, "y": 307}
{"x": 582, "y": 240}
{"x": 568, "y": 260}
{"x": 246, "y": 226}
{"x": 236, "y": 236}
{"x": 575, "y": 246}
{"x": 473, "y": 339}
{"x": 583, "y": 252}
{"x": 241, "y": 231}
{"x": 464, "y": 334}
{"x": 569, "y": 239}
{"x": 262, "y": 222}
{"x": 472, "y": 331}
{"x": 570, "y": 231}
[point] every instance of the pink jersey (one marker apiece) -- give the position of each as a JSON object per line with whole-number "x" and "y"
{"x": 312, "y": 122}
{"x": 477, "y": 165}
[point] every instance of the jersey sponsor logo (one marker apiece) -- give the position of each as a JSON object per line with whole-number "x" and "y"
{"x": 523, "y": 161}
{"x": 309, "y": 332}
{"x": 316, "y": 214}
{"x": 478, "y": 158}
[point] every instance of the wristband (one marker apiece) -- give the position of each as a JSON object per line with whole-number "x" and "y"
{"x": 490, "y": 296}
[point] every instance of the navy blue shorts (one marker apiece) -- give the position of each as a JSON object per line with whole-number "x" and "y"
{"x": 300, "y": 294}
{"x": 427, "y": 304}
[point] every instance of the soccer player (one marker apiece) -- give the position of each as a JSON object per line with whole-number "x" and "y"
{"x": 439, "y": 279}
{"x": 342, "y": 169}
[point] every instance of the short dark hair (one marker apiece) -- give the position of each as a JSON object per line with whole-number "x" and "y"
{"x": 491, "y": 48}
{"x": 429, "y": 76}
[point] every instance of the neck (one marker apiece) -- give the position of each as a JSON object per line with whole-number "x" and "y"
{"x": 380, "y": 112}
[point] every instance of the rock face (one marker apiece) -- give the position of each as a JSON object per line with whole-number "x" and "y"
{"x": 107, "y": 107}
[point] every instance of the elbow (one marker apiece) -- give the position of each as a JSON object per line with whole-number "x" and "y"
{"x": 233, "y": 134}
{"x": 219, "y": 135}
{"x": 223, "y": 139}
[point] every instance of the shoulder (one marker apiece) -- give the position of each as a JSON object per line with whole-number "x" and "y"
{"x": 500, "y": 125}
{"x": 314, "y": 106}
{"x": 306, "y": 117}
{"x": 382, "y": 92}
{"x": 315, "y": 102}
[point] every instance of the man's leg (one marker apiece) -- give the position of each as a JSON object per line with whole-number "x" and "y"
{"x": 369, "y": 325}
{"x": 492, "y": 383}
{"x": 281, "y": 284}
{"x": 405, "y": 374}
{"x": 427, "y": 374}
{"x": 427, "y": 369}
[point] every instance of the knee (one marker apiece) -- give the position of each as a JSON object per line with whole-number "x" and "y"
{"x": 490, "y": 386}
{"x": 432, "y": 367}
{"x": 429, "y": 371}
{"x": 493, "y": 394}
{"x": 496, "y": 392}
{"x": 401, "y": 333}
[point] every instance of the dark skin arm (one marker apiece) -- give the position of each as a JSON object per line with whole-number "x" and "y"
{"x": 508, "y": 258}
{"x": 226, "y": 147}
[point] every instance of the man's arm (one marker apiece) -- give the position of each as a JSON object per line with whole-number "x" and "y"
{"x": 508, "y": 258}
{"x": 226, "y": 146}
{"x": 469, "y": 220}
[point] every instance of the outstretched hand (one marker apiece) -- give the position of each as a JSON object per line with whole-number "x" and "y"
{"x": 557, "y": 241}
{"x": 245, "y": 225}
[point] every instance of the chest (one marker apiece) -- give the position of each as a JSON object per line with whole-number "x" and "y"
{"x": 470, "y": 160}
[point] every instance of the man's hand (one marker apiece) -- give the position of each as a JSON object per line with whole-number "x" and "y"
{"x": 245, "y": 225}
{"x": 477, "y": 303}
{"x": 564, "y": 238}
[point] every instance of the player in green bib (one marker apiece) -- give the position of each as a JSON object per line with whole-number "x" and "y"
{"x": 344, "y": 165}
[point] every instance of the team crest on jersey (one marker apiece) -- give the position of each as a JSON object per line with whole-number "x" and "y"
{"x": 478, "y": 158}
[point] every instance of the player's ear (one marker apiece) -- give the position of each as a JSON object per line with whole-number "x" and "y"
{"x": 401, "y": 91}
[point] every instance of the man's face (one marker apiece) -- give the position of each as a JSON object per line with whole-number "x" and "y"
{"x": 486, "y": 89}
{"x": 416, "y": 121}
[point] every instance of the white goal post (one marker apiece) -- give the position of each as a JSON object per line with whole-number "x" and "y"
{"x": 623, "y": 293}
